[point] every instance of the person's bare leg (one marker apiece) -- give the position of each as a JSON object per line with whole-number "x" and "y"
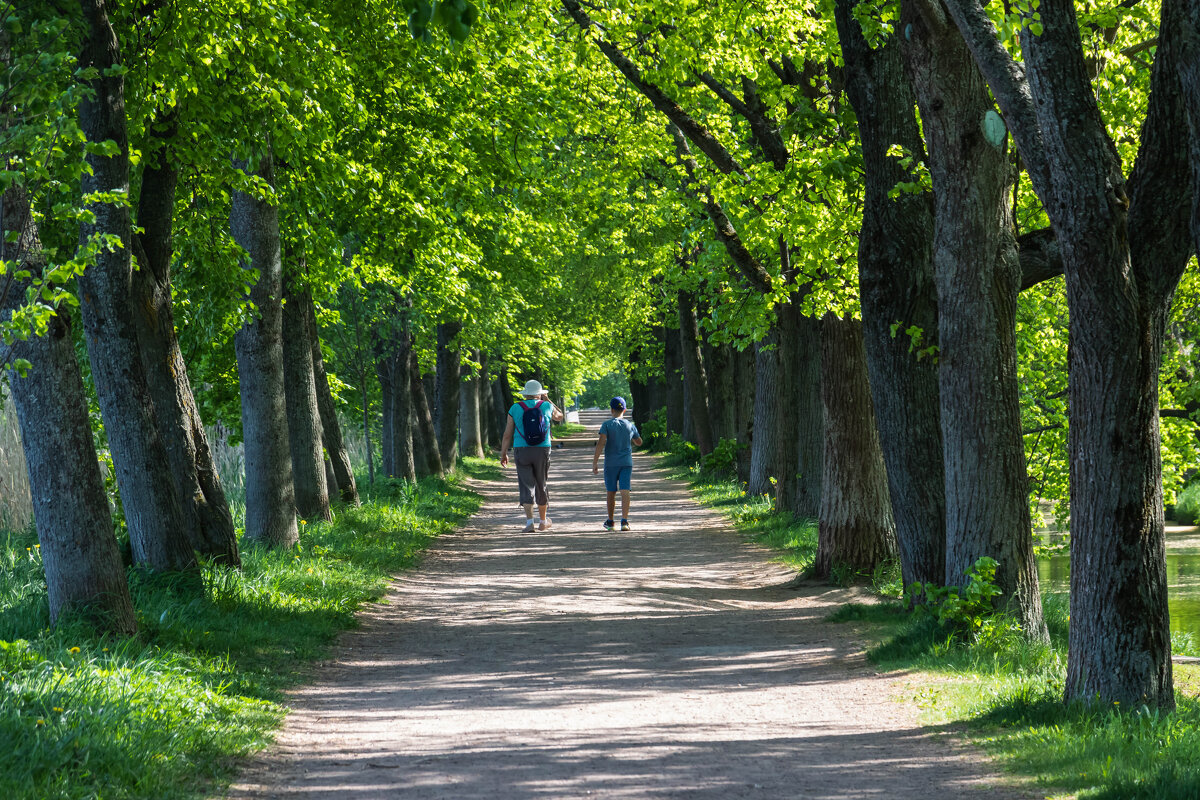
{"x": 624, "y": 504}
{"x": 612, "y": 503}
{"x": 529, "y": 511}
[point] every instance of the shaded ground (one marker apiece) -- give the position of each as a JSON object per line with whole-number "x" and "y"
{"x": 667, "y": 662}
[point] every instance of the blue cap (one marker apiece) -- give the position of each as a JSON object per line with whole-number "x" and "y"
{"x": 616, "y": 402}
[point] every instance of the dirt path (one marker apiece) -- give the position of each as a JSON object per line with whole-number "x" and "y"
{"x": 660, "y": 663}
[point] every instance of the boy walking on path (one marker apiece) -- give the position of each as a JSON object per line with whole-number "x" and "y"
{"x": 617, "y": 437}
{"x": 528, "y": 430}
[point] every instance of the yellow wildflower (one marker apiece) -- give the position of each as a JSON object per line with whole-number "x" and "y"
{"x": 73, "y": 650}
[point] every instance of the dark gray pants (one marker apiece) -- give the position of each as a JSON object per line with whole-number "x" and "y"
{"x": 533, "y": 468}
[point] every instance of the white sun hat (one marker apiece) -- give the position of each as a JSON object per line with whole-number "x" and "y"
{"x": 532, "y": 389}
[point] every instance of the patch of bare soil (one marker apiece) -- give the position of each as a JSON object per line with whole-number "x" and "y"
{"x": 667, "y": 662}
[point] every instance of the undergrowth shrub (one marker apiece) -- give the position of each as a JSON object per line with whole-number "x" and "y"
{"x": 723, "y": 459}
{"x": 1187, "y": 505}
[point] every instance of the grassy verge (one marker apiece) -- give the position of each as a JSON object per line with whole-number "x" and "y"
{"x": 167, "y": 715}
{"x": 794, "y": 539}
{"x": 567, "y": 428}
{"x": 1005, "y": 691}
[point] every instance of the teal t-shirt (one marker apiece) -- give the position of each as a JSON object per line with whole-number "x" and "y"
{"x": 618, "y": 447}
{"x": 516, "y": 412}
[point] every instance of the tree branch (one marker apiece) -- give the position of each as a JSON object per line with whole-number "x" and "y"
{"x": 752, "y": 270}
{"x": 1040, "y": 257}
{"x": 697, "y": 133}
{"x": 1009, "y": 86}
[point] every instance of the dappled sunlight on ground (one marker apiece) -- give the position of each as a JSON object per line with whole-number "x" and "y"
{"x": 670, "y": 661}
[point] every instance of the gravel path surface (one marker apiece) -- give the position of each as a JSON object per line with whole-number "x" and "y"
{"x": 667, "y": 662}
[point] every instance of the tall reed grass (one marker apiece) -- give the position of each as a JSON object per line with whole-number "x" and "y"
{"x": 16, "y": 502}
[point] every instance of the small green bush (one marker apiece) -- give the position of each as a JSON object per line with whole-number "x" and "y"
{"x": 1187, "y": 505}
{"x": 723, "y": 458}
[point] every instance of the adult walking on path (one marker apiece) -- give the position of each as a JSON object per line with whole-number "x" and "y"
{"x": 528, "y": 431}
{"x": 667, "y": 662}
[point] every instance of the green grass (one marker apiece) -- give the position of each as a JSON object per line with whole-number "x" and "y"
{"x": 1006, "y": 691}
{"x": 1187, "y": 505}
{"x": 794, "y": 539}
{"x": 567, "y": 428}
{"x": 169, "y": 713}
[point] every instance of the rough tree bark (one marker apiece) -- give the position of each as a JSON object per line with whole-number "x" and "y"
{"x": 82, "y": 562}
{"x": 303, "y": 415}
{"x": 856, "y": 526}
{"x": 471, "y": 442}
{"x": 693, "y": 374}
{"x": 208, "y": 523}
{"x": 767, "y": 402}
{"x": 673, "y": 369}
{"x": 331, "y": 429}
{"x": 449, "y": 385}
{"x": 402, "y": 448}
{"x": 431, "y": 454}
{"x": 1124, "y": 247}
{"x": 387, "y": 402}
{"x": 744, "y": 384}
{"x": 896, "y": 284}
{"x": 978, "y": 277}
{"x": 270, "y": 492}
{"x": 152, "y": 509}
{"x": 800, "y": 443}
{"x": 720, "y": 367}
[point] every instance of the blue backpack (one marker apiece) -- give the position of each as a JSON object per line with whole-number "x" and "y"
{"x": 534, "y": 427}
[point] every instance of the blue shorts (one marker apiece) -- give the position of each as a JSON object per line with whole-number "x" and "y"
{"x": 617, "y": 476}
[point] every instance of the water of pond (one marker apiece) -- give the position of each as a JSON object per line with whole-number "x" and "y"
{"x": 1183, "y": 578}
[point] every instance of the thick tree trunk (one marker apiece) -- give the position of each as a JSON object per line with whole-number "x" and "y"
{"x": 208, "y": 523}
{"x": 768, "y": 406}
{"x": 303, "y": 416}
{"x": 152, "y": 509}
{"x": 978, "y": 278}
{"x": 431, "y": 453}
{"x": 856, "y": 526}
{"x": 800, "y": 421}
{"x": 895, "y": 268}
{"x": 331, "y": 429}
{"x": 387, "y": 403}
{"x": 673, "y": 371}
{"x": 270, "y": 492}
{"x": 1123, "y": 254}
{"x": 469, "y": 410}
{"x": 449, "y": 385}
{"x": 82, "y": 561}
{"x": 498, "y": 407}
{"x": 719, "y": 367}
{"x": 744, "y": 385}
{"x": 695, "y": 380}
{"x": 402, "y": 430}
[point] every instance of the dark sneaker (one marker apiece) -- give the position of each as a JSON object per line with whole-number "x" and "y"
{"x": 608, "y": 524}
{"x": 624, "y": 524}
{"x": 528, "y": 527}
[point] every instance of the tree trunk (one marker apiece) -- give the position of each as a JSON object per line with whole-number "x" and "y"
{"x": 208, "y": 523}
{"x": 499, "y": 408}
{"x": 896, "y": 285}
{"x": 402, "y": 430}
{"x": 695, "y": 380}
{"x": 303, "y": 416}
{"x": 449, "y": 385}
{"x": 331, "y": 429}
{"x": 744, "y": 384}
{"x": 432, "y": 452}
{"x": 978, "y": 277}
{"x": 469, "y": 411}
{"x": 152, "y": 510}
{"x": 82, "y": 561}
{"x": 673, "y": 371}
{"x": 800, "y": 425}
{"x": 723, "y": 398}
{"x": 270, "y": 492}
{"x": 768, "y": 406}
{"x": 387, "y": 402}
{"x": 856, "y": 527}
{"x": 1123, "y": 254}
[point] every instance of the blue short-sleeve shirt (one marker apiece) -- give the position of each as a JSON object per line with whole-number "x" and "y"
{"x": 516, "y": 412}
{"x": 618, "y": 447}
